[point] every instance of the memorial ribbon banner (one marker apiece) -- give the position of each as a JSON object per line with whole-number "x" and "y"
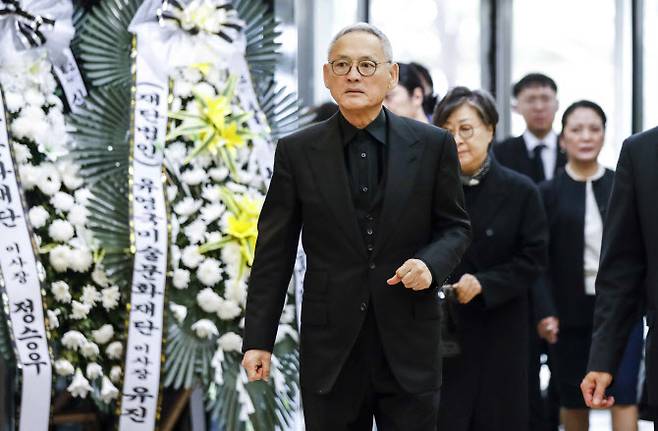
{"x": 20, "y": 277}
{"x": 141, "y": 384}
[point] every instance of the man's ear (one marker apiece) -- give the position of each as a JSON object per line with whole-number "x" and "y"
{"x": 394, "y": 74}
{"x": 325, "y": 74}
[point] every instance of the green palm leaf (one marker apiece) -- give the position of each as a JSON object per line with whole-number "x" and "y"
{"x": 102, "y": 150}
{"x": 283, "y": 110}
{"x": 260, "y": 32}
{"x": 104, "y": 43}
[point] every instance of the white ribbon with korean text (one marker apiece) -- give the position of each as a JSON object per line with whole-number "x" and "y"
{"x": 141, "y": 383}
{"x": 22, "y": 286}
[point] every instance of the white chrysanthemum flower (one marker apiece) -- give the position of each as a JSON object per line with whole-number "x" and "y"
{"x": 205, "y": 328}
{"x": 205, "y": 89}
{"x": 109, "y": 392}
{"x": 72, "y": 181}
{"x": 114, "y": 350}
{"x": 22, "y": 153}
{"x": 172, "y": 192}
{"x": 34, "y": 97}
{"x": 59, "y": 258}
{"x": 182, "y": 88}
{"x": 63, "y": 202}
{"x": 179, "y": 311}
{"x": 49, "y": 181}
{"x": 14, "y": 101}
{"x": 82, "y": 196}
{"x": 236, "y": 290}
{"x": 193, "y": 177}
{"x": 231, "y": 254}
{"x": 111, "y": 296}
{"x": 208, "y": 300}
{"x": 218, "y": 174}
{"x": 175, "y": 255}
{"x": 38, "y": 216}
{"x": 176, "y": 152}
{"x": 187, "y": 206}
{"x": 53, "y": 321}
{"x": 60, "y": 291}
{"x": 79, "y": 310}
{"x": 94, "y": 371}
{"x": 90, "y": 295}
{"x": 195, "y": 231}
{"x": 191, "y": 74}
{"x": 80, "y": 386}
{"x": 181, "y": 278}
{"x": 228, "y": 310}
{"x": 63, "y": 367}
{"x": 191, "y": 256}
{"x": 61, "y": 230}
{"x": 212, "y": 237}
{"x": 115, "y": 373}
{"x": 211, "y": 193}
{"x": 90, "y": 350}
{"x": 99, "y": 276}
{"x": 73, "y": 340}
{"x": 81, "y": 259}
{"x": 230, "y": 342}
{"x": 209, "y": 273}
{"x": 103, "y": 334}
{"x": 78, "y": 215}
{"x": 29, "y": 175}
{"x": 210, "y": 213}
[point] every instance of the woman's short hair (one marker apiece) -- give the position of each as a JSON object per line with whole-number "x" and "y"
{"x": 583, "y": 104}
{"x": 483, "y": 103}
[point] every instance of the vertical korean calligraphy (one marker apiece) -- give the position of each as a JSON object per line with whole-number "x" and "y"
{"x": 22, "y": 286}
{"x": 139, "y": 403}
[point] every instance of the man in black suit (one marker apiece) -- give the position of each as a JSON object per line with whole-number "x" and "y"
{"x": 381, "y": 205}
{"x": 536, "y": 153}
{"x": 627, "y": 282}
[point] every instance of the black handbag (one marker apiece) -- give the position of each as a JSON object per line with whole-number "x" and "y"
{"x": 450, "y": 346}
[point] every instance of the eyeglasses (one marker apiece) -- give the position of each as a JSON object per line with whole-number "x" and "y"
{"x": 364, "y": 67}
{"x": 465, "y": 131}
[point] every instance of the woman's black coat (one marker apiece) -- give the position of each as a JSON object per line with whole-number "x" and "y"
{"x": 563, "y": 294}
{"x": 485, "y": 388}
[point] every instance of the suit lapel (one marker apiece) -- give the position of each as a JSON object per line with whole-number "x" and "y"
{"x": 525, "y": 162}
{"x": 327, "y": 161}
{"x": 403, "y": 160}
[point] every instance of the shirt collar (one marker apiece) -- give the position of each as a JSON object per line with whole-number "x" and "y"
{"x": 376, "y": 128}
{"x": 531, "y": 141}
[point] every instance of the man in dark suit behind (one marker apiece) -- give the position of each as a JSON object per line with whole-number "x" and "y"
{"x": 627, "y": 282}
{"x": 536, "y": 153}
{"x": 381, "y": 205}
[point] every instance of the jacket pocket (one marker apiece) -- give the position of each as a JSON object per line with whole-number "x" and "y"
{"x": 314, "y": 313}
{"x": 315, "y": 283}
{"x": 427, "y": 309}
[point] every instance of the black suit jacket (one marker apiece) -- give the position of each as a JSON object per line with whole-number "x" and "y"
{"x": 422, "y": 216}
{"x": 513, "y": 154}
{"x": 564, "y": 200}
{"x": 507, "y": 255}
{"x": 627, "y": 281}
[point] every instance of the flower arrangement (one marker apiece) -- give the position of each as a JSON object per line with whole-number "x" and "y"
{"x": 80, "y": 302}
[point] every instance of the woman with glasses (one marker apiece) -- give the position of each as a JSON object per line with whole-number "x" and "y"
{"x": 576, "y": 201}
{"x": 485, "y": 386}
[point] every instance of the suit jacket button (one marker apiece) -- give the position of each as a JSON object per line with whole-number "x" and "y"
{"x": 364, "y": 306}
{"x": 372, "y": 265}
{"x": 489, "y": 232}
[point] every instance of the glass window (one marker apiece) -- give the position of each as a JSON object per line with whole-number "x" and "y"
{"x": 442, "y": 35}
{"x": 650, "y": 63}
{"x": 587, "y": 51}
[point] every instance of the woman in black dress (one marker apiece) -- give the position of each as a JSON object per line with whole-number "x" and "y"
{"x": 485, "y": 386}
{"x": 576, "y": 201}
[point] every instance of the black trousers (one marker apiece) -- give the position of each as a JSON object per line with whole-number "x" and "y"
{"x": 366, "y": 388}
